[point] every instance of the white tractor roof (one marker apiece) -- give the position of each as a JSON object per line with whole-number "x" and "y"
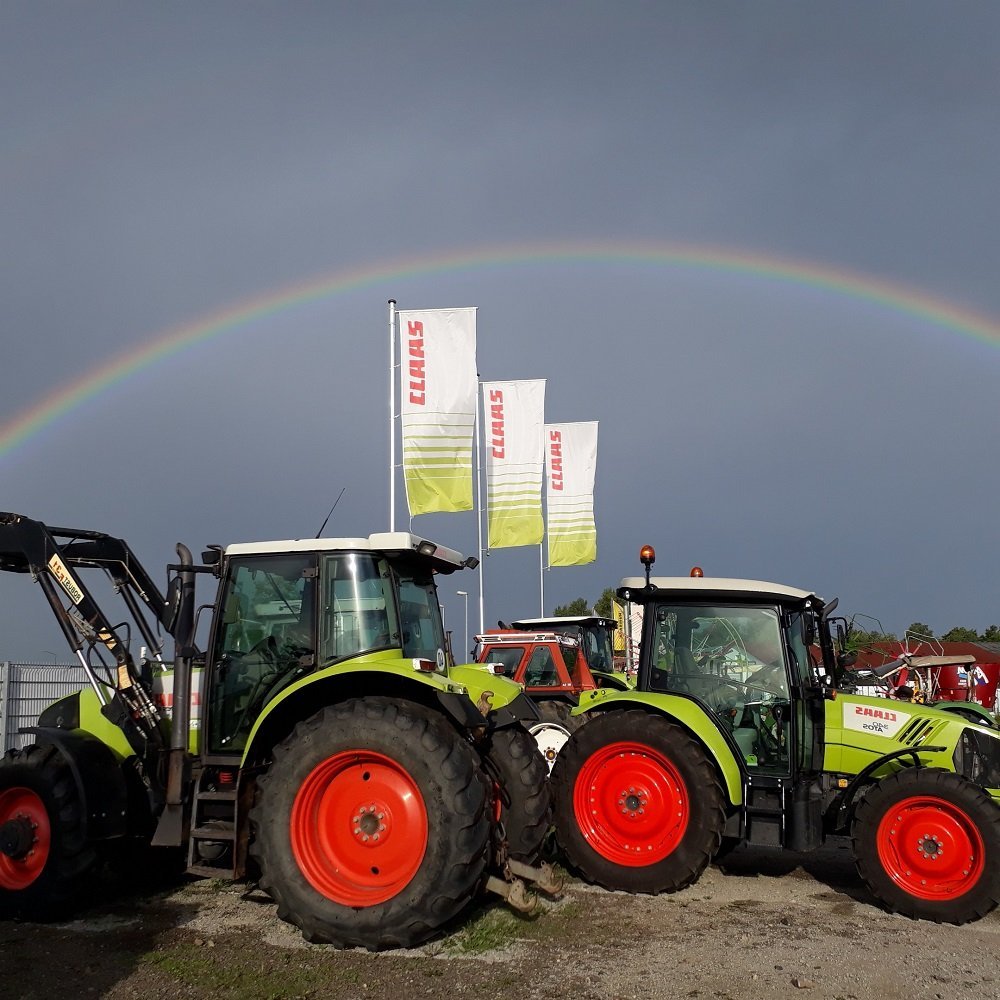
{"x": 521, "y": 638}
{"x": 562, "y": 620}
{"x": 694, "y": 585}
{"x": 385, "y": 541}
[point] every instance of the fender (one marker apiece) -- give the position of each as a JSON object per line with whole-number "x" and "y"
{"x": 477, "y": 679}
{"x": 685, "y": 712}
{"x": 611, "y": 679}
{"x": 863, "y": 778}
{"x": 97, "y": 774}
{"x": 357, "y": 678}
{"x": 971, "y": 711}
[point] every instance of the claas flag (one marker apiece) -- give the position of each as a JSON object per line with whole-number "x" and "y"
{"x": 438, "y": 389}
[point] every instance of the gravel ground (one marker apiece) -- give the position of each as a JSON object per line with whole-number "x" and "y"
{"x": 761, "y": 925}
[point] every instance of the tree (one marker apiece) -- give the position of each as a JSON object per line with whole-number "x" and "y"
{"x": 920, "y": 630}
{"x": 992, "y": 634}
{"x": 605, "y": 606}
{"x": 960, "y": 634}
{"x": 577, "y": 607}
{"x": 862, "y": 639}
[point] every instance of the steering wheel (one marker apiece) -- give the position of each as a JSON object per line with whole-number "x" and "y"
{"x": 768, "y": 678}
{"x": 769, "y": 730}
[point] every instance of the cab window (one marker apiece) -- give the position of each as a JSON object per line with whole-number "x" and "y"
{"x": 509, "y": 657}
{"x": 358, "y": 611}
{"x": 265, "y": 640}
{"x": 732, "y": 660}
{"x": 541, "y": 670}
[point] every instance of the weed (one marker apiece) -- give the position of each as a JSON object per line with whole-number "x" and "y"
{"x": 274, "y": 980}
{"x": 490, "y": 930}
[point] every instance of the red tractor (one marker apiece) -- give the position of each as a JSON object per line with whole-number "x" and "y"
{"x": 555, "y": 673}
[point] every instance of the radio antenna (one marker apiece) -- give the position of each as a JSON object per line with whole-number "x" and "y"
{"x": 332, "y": 509}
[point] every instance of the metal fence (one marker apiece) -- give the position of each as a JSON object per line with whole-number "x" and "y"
{"x": 26, "y": 689}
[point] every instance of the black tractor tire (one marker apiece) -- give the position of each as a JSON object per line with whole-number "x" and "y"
{"x": 45, "y": 858}
{"x": 638, "y": 804}
{"x": 555, "y": 726}
{"x": 559, "y": 712}
{"x": 927, "y": 845}
{"x": 370, "y": 826}
{"x": 521, "y": 790}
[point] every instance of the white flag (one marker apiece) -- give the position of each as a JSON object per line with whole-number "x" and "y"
{"x": 438, "y": 388}
{"x": 514, "y": 445}
{"x": 571, "y": 466}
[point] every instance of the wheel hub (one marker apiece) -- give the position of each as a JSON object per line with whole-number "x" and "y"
{"x": 550, "y": 739}
{"x": 17, "y": 836}
{"x": 370, "y": 823}
{"x": 930, "y": 847}
{"x": 632, "y": 802}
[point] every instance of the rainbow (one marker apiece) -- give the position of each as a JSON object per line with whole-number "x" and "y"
{"x": 61, "y": 400}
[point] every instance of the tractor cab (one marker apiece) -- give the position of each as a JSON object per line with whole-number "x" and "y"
{"x": 739, "y": 649}
{"x": 289, "y": 609}
{"x": 744, "y": 652}
{"x": 547, "y": 664}
{"x": 595, "y": 637}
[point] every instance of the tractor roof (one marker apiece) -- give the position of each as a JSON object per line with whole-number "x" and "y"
{"x": 444, "y": 560}
{"x": 520, "y": 638}
{"x": 686, "y": 587}
{"x": 532, "y": 623}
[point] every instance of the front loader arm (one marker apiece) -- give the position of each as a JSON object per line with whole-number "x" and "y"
{"x": 29, "y": 546}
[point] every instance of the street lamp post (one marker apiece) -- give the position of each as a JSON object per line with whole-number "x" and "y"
{"x": 465, "y": 635}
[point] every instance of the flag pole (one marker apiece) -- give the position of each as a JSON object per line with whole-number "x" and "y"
{"x": 479, "y": 505}
{"x": 392, "y": 417}
{"x": 541, "y": 581}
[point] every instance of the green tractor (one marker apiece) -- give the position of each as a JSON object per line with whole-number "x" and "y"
{"x": 322, "y": 744}
{"x": 736, "y": 733}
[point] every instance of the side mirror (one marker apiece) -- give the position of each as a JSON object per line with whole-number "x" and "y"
{"x": 808, "y": 629}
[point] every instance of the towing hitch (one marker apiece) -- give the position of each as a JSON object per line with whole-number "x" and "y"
{"x": 514, "y": 885}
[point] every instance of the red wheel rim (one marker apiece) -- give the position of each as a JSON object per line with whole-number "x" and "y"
{"x": 359, "y": 828}
{"x": 23, "y": 806}
{"x": 930, "y": 848}
{"x": 631, "y": 804}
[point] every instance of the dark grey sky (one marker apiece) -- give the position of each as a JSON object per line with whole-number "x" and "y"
{"x": 162, "y": 162}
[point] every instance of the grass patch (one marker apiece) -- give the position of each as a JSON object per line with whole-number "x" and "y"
{"x": 278, "y": 978}
{"x": 493, "y": 929}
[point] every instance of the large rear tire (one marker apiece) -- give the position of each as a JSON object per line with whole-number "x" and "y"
{"x": 44, "y": 856}
{"x": 638, "y": 805}
{"x": 524, "y": 802}
{"x": 370, "y": 827}
{"x": 927, "y": 844}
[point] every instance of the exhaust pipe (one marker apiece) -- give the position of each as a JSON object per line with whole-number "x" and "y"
{"x": 170, "y": 829}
